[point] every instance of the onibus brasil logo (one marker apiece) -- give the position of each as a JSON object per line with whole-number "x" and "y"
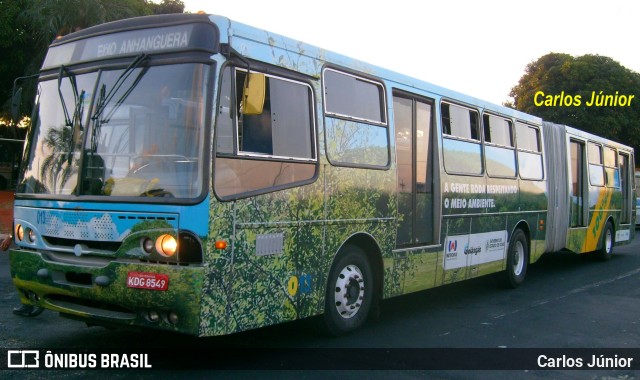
{"x": 33, "y": 359}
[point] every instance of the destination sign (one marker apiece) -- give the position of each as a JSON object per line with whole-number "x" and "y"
{"x": 157, "y": 41}
{"x": 151, "y": 40}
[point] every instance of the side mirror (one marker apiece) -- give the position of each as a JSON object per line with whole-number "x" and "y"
{"x": 16, "y": 99}
{"x": 253, "y": 94}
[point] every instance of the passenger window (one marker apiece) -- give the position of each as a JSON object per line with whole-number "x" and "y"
{"x": 500, "y": 153}
{"x": 460, "y": 122}
{"x": 268, "y": 151}
{"x": 461, "y": 140}
{"x": 611, "y": 167}
{"x": 528, "y": 138}
{"x": 285, "y": 118}
{"x": 529, "y": 147}
{"x": 596, "y": 164}
{"x": 498, "y": 131}
{"x": 356, "y": 120}
{"x": 350, "y": 96}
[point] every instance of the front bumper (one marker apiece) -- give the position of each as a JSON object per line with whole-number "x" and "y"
{"x": 101, "y": 295}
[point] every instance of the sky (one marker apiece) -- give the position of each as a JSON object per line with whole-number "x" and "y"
{"x": 479, "y": 48}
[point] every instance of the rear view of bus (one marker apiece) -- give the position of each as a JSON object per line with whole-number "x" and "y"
{"x": 112, "y": 202}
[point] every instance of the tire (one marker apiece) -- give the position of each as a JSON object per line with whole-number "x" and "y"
{"x": 517, "y": 260}
{"x": 607, "y": 243}
{"x": 349, "y": 296}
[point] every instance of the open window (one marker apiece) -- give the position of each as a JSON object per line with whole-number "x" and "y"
{"x": 263, "y": 151}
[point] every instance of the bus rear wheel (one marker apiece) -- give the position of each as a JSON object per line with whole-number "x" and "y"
{"x": 517, "y": 259}
{"x": 606, "y": 245}
{"x": 349, "y": 295}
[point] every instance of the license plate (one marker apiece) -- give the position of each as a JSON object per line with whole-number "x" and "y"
{"x": 142, "y": 280}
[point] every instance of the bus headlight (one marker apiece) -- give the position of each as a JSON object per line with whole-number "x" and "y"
{"x": 166, "y": 245}
{"x": 19, "y": 232}
{"x": 31, "y": 236}
{"x": 147, "y": 245}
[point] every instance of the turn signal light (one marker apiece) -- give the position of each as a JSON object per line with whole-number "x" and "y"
{"x": 221, "y": 244}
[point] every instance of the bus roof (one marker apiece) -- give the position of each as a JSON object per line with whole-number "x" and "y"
{"x": 238, "y": 35}
{"x": 133, "y": 23}
{"x": 594, "y": 138}
{"x": 238, "y": 30}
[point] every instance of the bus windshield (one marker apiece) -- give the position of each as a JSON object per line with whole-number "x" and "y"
{"x": 135, "y": 132}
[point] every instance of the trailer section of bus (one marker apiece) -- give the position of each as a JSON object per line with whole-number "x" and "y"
{"x": 592, "y": 206}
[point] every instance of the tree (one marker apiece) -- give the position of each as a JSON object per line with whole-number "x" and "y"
{"x": 53, "y": 18}
{"x": 61, "y": 17}
{"x": 15, "y": 48}
{"x": 167, "y": 6}
{"x": 559, "y": 88}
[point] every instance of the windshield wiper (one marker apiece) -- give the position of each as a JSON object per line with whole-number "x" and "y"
{"x": 75, "y": 119}
{"x": 105, "y": 98}
{"x": 68, "y": 121}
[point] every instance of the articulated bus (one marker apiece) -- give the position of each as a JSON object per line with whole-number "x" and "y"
{"x": 194, "y": 174}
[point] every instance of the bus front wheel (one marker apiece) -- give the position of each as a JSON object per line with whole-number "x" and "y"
{"x": 349, "y": 295}
{"x": 517, "y": 259}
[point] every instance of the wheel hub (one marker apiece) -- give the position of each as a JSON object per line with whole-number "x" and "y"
{"x": 349, "y": 291}
{"x": 518, "y": 262}
{"x": 608, "y": 241}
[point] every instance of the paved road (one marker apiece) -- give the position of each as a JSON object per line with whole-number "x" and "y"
{"x": 567, "y": 301}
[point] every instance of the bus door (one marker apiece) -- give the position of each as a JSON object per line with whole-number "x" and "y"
{"x": 578, "y": 184}
{"x": 625, "y": 179}
{"x": 413, "y": 118}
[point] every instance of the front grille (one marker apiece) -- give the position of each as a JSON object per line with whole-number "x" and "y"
{"x": 111, "y": 246}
